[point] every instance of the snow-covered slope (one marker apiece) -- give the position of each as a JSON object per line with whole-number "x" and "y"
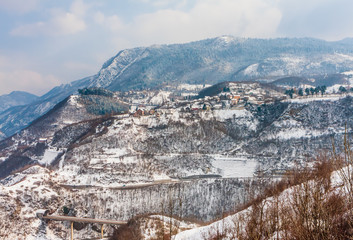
{"x": 292, "y": 199}
{"x": 22, "y": 194}
{"x": 31, "y": 142}
{"x": 214, "y": 60}
{"x": 196, "y": 160}
{"x": 177, "y": 143}
{"x": 16, "y": 118}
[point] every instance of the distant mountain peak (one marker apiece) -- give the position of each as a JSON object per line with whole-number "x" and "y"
{"x": 20, "y": 93}
{"x": 16, "y": 98}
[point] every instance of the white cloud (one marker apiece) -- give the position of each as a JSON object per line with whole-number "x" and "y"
{"x": 166, "y": 3}
{"x": 61, "y": 23}
{"x": 18, "y": 6}
{"x": 113, "y": 23}
{"x": 67, "y": 23}
{"x": 159, "y": 22}
{"x": 17, "y": 74}
{"x": 26, "y": 80}
{"x": 79, "y": 8}
{"x": 207, "y": 18}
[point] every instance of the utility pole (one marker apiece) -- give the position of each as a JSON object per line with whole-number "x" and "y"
{"x": 102, "y": 231}
{"x": 72, "y": 230}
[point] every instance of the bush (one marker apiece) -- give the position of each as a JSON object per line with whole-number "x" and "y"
{"x": 129, "y": 231}
{"x": 309, "y": 208}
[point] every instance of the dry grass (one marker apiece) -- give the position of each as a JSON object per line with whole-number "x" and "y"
{"x": 312, "y": 209}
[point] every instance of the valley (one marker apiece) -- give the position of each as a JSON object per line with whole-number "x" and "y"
{"x": 194, "y": 144}
{"x": 198, "y": 157}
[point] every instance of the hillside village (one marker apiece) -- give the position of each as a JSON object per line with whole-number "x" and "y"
{"x": 188, "y": 98}
{"x": 120, "y": 147}
{"x": 233, "y": 95}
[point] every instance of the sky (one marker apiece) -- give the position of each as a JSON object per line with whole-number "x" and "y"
{"x": 46, "y": 43}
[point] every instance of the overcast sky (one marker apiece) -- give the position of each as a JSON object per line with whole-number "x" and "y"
{"x": 44, "y": 43}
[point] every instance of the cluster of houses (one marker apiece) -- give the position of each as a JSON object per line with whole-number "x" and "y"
{"x": 156, "y": 103}
{"x": 235, "y": 96}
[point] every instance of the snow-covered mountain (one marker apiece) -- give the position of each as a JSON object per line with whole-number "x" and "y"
{"x": 178, "y": 132}
{"x": 194, "y": 156}
{"x": 16, "y": 98}
{"x": 223, "y": 59}
{"x": 18, "y": 117}
{"x": 204, "y": 62}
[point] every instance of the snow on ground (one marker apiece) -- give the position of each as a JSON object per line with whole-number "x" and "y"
{"x": 348, "y": 73}
{"x": 181, "y": 224}
{"x": 242, "y": 116}
{"x": 225, "y": 114}
{"x": 235, "y": 167}
{"x": 160, "y": 177}
{"x": 155, "y": 224}
{"x": 287, "y": 123}
{"x": 110, "y": 156}
{"x": 206, "y": 232}
{"x": 193, "y": 87}
{"x": 73, "y": 100}
{"x": 313, "y": 99}
{"x": 49, "y": 156}
{"x": 295, "y": 131}
{"x": 227, "y": 224}
{"x": 252, "y": 70}
{"x": 160, "y": 98}
{"x": 293, "y": 64}
{"x": 35, "y": 176}
{"x": 335, "y": 88}
{"x": 286, "y": 134}
{"x": 13, "y": 179}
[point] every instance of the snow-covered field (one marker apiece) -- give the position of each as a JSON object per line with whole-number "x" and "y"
{"x": 315, "y": 98}
{"x": 235, "y": 167}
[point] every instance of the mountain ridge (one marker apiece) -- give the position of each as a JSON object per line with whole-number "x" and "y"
{"x": 207, "y": 61}
{"x": 16, "y": 98}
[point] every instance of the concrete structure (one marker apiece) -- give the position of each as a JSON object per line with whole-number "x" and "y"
{"x": 43, "y": 214}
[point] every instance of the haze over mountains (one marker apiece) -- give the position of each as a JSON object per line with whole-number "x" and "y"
{"x": 16, "y": 98}
{"x": 204, "y": 62}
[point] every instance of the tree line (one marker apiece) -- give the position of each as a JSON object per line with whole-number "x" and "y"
{"x": 307, "y": 91}
{"x": 312, "y": 91}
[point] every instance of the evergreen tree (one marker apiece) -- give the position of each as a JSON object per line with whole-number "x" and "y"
{"x": 323, "y": 89}
{"x": 307, "y": 91}
{"x": 342, "y": 89}
{"x": 289, "y": 92}
{"x": 300, "y": 92}
{"x": 312, "y": 91}
{"x": 317, "y": 90}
